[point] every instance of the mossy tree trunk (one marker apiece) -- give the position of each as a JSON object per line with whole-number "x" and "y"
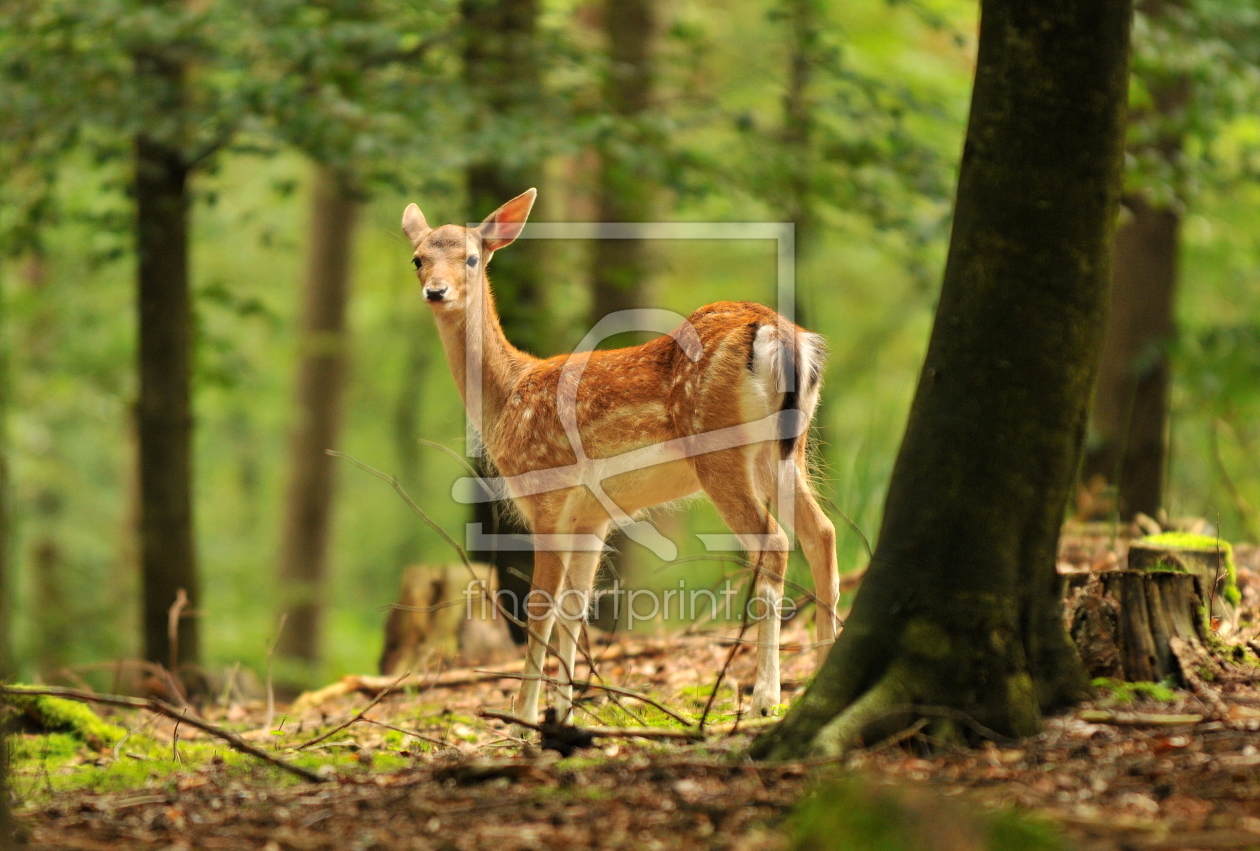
{"x": 503, "y": 71}
{"x": 961, "y": 605}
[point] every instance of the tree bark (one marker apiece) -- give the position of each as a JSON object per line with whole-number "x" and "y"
{"x": 1127, "y": 444}
{"x": 164, "y": 409}
{"x": 1130, "y": 412}
{"x": 961, "y": 604}
{"x": 803, "y": 19}
{"x": 619, "y": 267}
{"x": 501, "y": 67}
{"x": 321, "y": 374}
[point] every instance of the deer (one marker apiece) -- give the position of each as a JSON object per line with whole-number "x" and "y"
{"x": 721, "y": 405}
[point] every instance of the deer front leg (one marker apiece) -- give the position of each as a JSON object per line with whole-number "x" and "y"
{"x": 539, "y": 617}
{"x": 571, "y": 614}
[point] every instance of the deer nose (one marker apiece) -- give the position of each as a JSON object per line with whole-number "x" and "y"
{"x": 435, "y": 292}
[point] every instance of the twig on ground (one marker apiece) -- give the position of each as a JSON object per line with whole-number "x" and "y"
{"x": 604, "y": 732}
{"x": 271, "y": 653}
{"x": 615, "y": 690}
{"x": 730, "y": 657}
{"x": 175, "y": 740}
{"x": 161, "y": 707}
{"x": 1185, "y": 659}
{"x": 355, "y": 717}
{"x": 173, "y": 615}
{"x": 1136, "y": 719}
{"x": 413, "y": 733}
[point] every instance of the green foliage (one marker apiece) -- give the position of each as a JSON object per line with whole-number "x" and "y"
{"x": 376, "y": 89}
{"x": 855, "y": 815}
{"x": 1196, "y": 75}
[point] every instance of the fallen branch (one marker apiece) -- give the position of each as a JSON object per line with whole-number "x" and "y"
{"x": 413, "y": 733}
{"x": 379, "y": 697}
{"x": 604, "y": 732}
{"x": 458, "y": 677}
{"x": 624, "y": 692}
{"x": 1186, "y": 659}
{"x": 161, "y": 707}
{"x": 1136, "y": 719}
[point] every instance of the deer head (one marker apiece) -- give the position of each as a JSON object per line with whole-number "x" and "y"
{"x": 450, "y": 260}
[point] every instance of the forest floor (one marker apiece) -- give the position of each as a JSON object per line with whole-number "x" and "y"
{"x": 422, "y": 769}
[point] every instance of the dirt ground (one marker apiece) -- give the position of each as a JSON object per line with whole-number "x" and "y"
{"x": 1120, "y": 778}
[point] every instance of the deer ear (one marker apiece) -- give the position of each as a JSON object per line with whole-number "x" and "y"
{"x": 414, "y": 225}
{"x": 506, "y": 223}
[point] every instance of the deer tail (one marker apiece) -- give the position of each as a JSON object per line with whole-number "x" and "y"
{"x": 790, "y": 363}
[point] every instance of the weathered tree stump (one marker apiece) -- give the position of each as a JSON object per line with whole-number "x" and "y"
{"x": 1208, "y": 558}
{"x": 443, "y": 615}
{"x": 1123, "y": 621}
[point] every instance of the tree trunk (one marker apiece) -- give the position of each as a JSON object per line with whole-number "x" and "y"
{"x": 961, "y": 605}
{"x": 619, "y": 267}
{"x": 164, "y": 408}
{"x": 321, "y": 371}
{"x": 803, "y": 19}
{"x": 1130, "y": 412}
{"x": 502, "y": 69}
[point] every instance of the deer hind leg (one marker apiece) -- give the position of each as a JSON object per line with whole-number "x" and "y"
{"x": 570, "y": 615}
{"x": 817, "y": 536}
{"x": 731, "y": 481}
{"x": 549, "y": 569}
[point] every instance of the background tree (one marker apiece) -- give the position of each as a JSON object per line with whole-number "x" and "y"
{"x": 343, "y": 80}
{"x": 321, "y": 375}
{"x": 627, "y": 156}
{"x": 1188, "y": 55}
{"x": 131, "y": 80}
{"x": 960, "y": 606}
{"x": 503, "y": 71}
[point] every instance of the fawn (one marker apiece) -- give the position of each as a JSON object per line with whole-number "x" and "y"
{"x": 722, "y": 404}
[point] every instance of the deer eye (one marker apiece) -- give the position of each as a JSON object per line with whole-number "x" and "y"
{"x": 472, "y": 261}
{"x": 415, "y": 261}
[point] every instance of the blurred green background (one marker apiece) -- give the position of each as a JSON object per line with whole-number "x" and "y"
{"x": 888, "y": 100}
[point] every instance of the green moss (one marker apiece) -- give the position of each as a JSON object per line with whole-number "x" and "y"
{"x": 925, "y": 639}
{"x": 1123, "y": 692}
{"x": 55, "y": 715}
{"x": 855, "y": 815}
{"x": 1187, "y": 541}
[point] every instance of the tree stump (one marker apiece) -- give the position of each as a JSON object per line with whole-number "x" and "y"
{"x": 1208, "y": 558}
{"x": 443, "y": 615}
{"x": 1123, "y": 620}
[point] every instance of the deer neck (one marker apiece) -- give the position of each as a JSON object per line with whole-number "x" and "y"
{"x": 473, "y": 339}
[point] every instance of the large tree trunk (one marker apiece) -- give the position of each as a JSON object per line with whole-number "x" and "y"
{"x": 961, "y": 605}
{"x": 321, "y": 374}
{"x": 501, "y": 66}
{"x": 1130, "y": 412}
{"x": 164, "y": 409}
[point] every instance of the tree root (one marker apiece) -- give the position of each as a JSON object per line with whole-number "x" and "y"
{"x": 843, "y": 732}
